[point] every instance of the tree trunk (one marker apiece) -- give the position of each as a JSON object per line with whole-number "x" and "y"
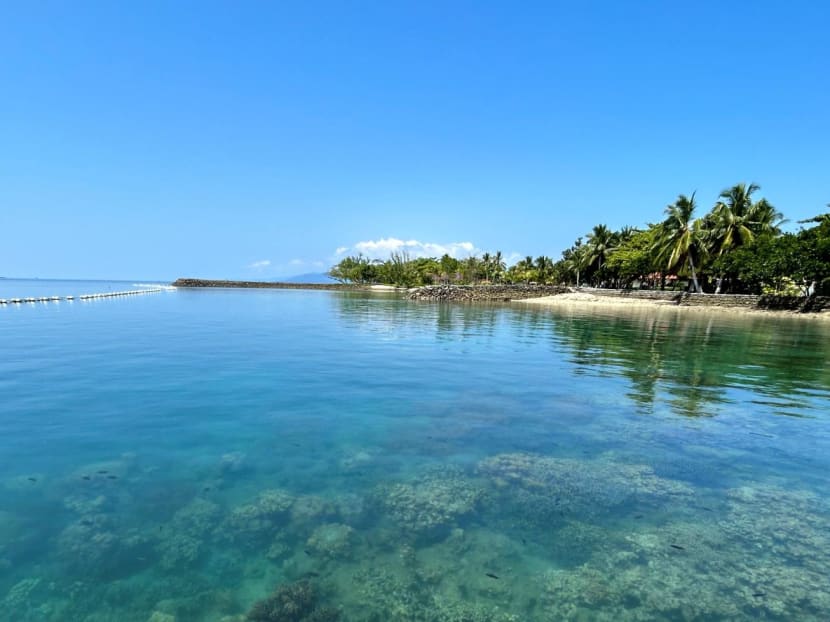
{"x": 694, "y": 275}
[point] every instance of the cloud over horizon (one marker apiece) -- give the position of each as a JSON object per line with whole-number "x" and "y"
{"x": 382, "y": 248}
{"x": 260, "y": 265}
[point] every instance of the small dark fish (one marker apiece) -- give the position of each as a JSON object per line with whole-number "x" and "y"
{"x": 296, "y": 444}
{"x": 429, "y": 437}
{"x": 86, "y": 477}
{"x": 638, "y": 516}
{"x": 307, "y": 552}
{"x": 524, "y": 541}
{"x": 32, "y": 479}
{"x": 706, "y": 509}
{"x": 103, "y": 472}
{"x": 206, "y": 489}
{"x": 86, "y": 522}
{"x": 678, "y": 547}
{"x": 556, "y": 501}
{"x": 759, "y": 594}
{"x": 112, "y": 477}
{"x": 491, "y": 575}
{"x": 311, "y": 573}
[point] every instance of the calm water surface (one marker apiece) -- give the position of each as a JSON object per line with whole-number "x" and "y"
{"x": 185, "y": 455}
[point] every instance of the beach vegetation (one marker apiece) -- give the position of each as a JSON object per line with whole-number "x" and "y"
{"x": 737, "y": 247}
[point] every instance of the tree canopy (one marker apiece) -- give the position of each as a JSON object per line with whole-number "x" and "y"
{"x": 737, "y": 247}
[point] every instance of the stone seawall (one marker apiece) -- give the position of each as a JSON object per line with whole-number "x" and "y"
{"x": 263, "y": 284}
{"x": 773, "y": 303}
{"x": 484, "y": 293}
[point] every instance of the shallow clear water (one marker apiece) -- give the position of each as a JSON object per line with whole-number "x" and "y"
{"x": 179, "y": 456}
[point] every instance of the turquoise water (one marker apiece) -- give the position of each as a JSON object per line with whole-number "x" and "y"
{"x": 186, "y": 455}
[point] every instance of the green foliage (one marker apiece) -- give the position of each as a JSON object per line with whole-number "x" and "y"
{"x": 738, "y": 245}
{"x": 634, "y": 258}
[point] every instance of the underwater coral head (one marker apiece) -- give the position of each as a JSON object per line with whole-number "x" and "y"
{"x": 292, "y": 602}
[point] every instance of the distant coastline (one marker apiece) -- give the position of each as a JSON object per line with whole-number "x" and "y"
{"x": 186, "y": 282}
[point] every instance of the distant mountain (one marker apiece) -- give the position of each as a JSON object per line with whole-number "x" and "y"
{"x": 311, "y": 277}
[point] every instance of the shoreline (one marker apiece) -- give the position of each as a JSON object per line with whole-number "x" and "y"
{"x": 585, "y": 300}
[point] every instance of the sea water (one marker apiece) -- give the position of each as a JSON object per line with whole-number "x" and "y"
{"x": 303, "y": 455}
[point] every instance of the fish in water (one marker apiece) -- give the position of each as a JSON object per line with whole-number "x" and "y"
{"x": 86, "y": 522}
{"x": 524, "y": 541}
{"x": 638, "y": 516}
{"x": 103, "y": 472}
{"x": 32, "y": 479}
{"x": 491, "y": 575}
{"x": 759, "y": 594}
{"x": 86, "y": 477}
{"x": 206, "y": 489}
{"x": 311, "y": 573}
{"x": 678, "y": 547}
{"x": 307, "y": 552}
{"x": 112, "y": 477}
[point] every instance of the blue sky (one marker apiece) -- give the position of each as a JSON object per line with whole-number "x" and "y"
{"x": 254, "y": 139}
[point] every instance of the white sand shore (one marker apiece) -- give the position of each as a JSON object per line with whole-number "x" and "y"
{"x": 585, "y": 301}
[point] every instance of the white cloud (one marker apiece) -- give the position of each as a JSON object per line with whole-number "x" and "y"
{"x": 261, "y": 264}
{"x": 382, "y": 248}
{"x": 296, "y": 262}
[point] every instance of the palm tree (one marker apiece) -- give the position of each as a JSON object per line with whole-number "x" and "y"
{"x": 543, "y": 267}
{"x": 679, "y": 237}
{"x": 576, "y": 258}
{"x": 736, "y": 220}
{"x": 486, "y": 261}
{"x": 600, "y": 242}
{"x": 499, "y": 266}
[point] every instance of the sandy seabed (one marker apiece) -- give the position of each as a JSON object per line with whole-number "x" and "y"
{"x": 585, "y": 300}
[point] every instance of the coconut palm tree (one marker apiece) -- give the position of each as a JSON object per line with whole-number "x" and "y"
{"x": 486, "y": 261}
{"x": 600, "y": 241}
{"x": 736, "y": 220}
{"x": 499, "y": 266}
{"x": 544, "y": 265}
{"x": 680, "y": 237}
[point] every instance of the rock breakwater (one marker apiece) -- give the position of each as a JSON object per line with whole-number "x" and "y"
{"x": 262, "y": 284}
{"x": 484, "y": 293}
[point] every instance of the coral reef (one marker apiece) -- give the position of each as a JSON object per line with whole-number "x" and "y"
{"x": 95, "y": 545}
{"x": 310, "y": 509}
{"x": 190, "y": 530}
{"x": 292, "y": 602}
{"x": 259, "y": 519}
{"x": 431, "y": 503}
{"x": 332, "y": 540}
{"x": 544, "y": 488}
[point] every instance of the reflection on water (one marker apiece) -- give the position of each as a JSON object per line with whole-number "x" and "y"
{"x": 315, "y": 456}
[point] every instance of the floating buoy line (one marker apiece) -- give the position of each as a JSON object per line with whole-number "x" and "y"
{"x": 132, "y": 292}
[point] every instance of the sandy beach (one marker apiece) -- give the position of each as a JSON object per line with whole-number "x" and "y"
{"x": 585, "y": 300}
